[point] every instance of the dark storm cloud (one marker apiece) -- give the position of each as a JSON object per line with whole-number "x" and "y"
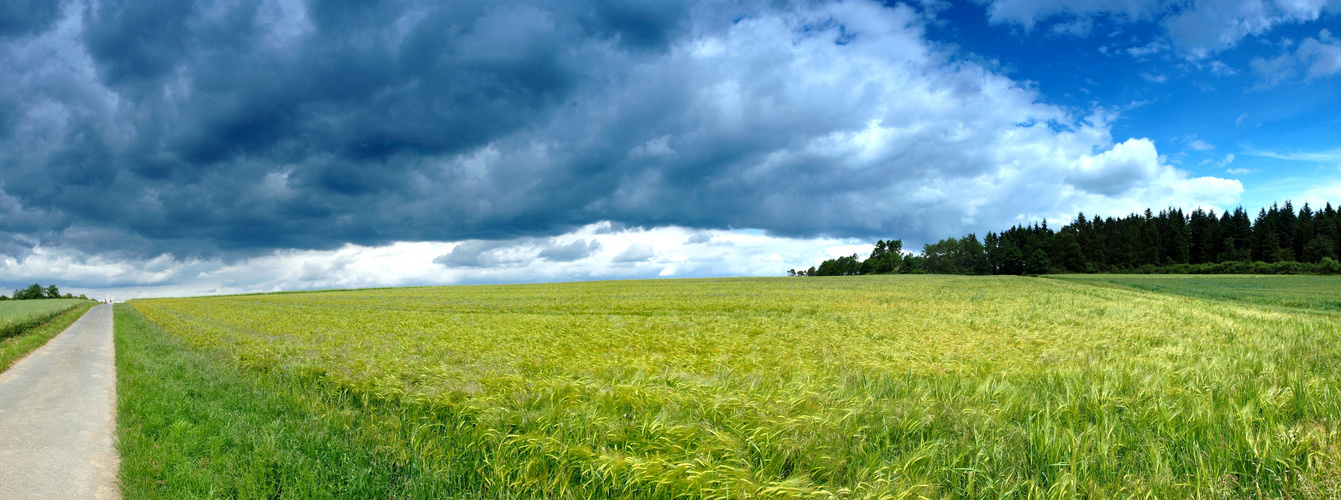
{"x": 206, "y": 128}
{"x": 24, "y": 17}
{"x": 276, "y": 124}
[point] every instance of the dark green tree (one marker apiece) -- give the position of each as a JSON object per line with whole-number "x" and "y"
{"x": 1271, "y": 248}
{"x": 1285, "y": 232}
{"x": 1318, "y": 249}
{"x": 1150, "y": 244}
{"x": 942, "y": 257}
{"x": 911, "y": 264}
{"x": 885, "y": 258}
{"x": 972, "y": 258}
{"x": 1038, "y": 263}
{"x": 842, "y": 266}
{"x": 1069, "y": 253}
{"x": 1229, "y": 252}
{"x": 31, "y": 292}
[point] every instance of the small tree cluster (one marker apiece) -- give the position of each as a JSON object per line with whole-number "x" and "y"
{"x": 886, "y": 258}
{"x": 37, "y": 291}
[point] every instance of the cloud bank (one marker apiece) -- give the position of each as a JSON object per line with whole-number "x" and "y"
{"x": 606, "y": 252}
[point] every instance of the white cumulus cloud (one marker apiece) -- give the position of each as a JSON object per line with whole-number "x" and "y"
{"x": 1117, "y": 170}
{"x": 1315, "y": 58}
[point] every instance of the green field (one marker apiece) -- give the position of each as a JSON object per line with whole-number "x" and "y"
{"x": 865, "y": 387}
{"x": 19, "y": 315}
{"x": 27, "y": 324}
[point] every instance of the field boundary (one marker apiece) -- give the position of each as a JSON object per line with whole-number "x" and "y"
{"x": 1321, "y": 306}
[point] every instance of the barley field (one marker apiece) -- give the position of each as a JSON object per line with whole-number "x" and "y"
{"x": 862, "y": 387}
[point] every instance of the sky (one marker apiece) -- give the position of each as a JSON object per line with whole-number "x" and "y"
{"x": 183, "y": 147}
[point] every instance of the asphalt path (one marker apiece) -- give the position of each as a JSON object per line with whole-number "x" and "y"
{"x": 58, "y": 413}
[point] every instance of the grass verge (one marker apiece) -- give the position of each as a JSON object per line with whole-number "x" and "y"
{"x": 192, "y": 424}
{"x": 19, "y": 345}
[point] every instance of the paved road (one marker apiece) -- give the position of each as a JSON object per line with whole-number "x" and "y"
{"x": 57, "y": 415}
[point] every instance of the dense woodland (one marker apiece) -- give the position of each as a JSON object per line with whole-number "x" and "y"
{"x": 1279, "y": 240}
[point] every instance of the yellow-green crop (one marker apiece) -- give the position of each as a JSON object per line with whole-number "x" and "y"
{"x": 884, "y": 386}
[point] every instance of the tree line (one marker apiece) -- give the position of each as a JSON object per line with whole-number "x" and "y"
{"x": 1279, "y": 240}
{"x": 37, "y": 291}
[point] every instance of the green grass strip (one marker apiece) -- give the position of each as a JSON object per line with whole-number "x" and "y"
{"x": 194, "y": 425}
{"x": 19, "y": 344}
{"x": 1289, "y": 294}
